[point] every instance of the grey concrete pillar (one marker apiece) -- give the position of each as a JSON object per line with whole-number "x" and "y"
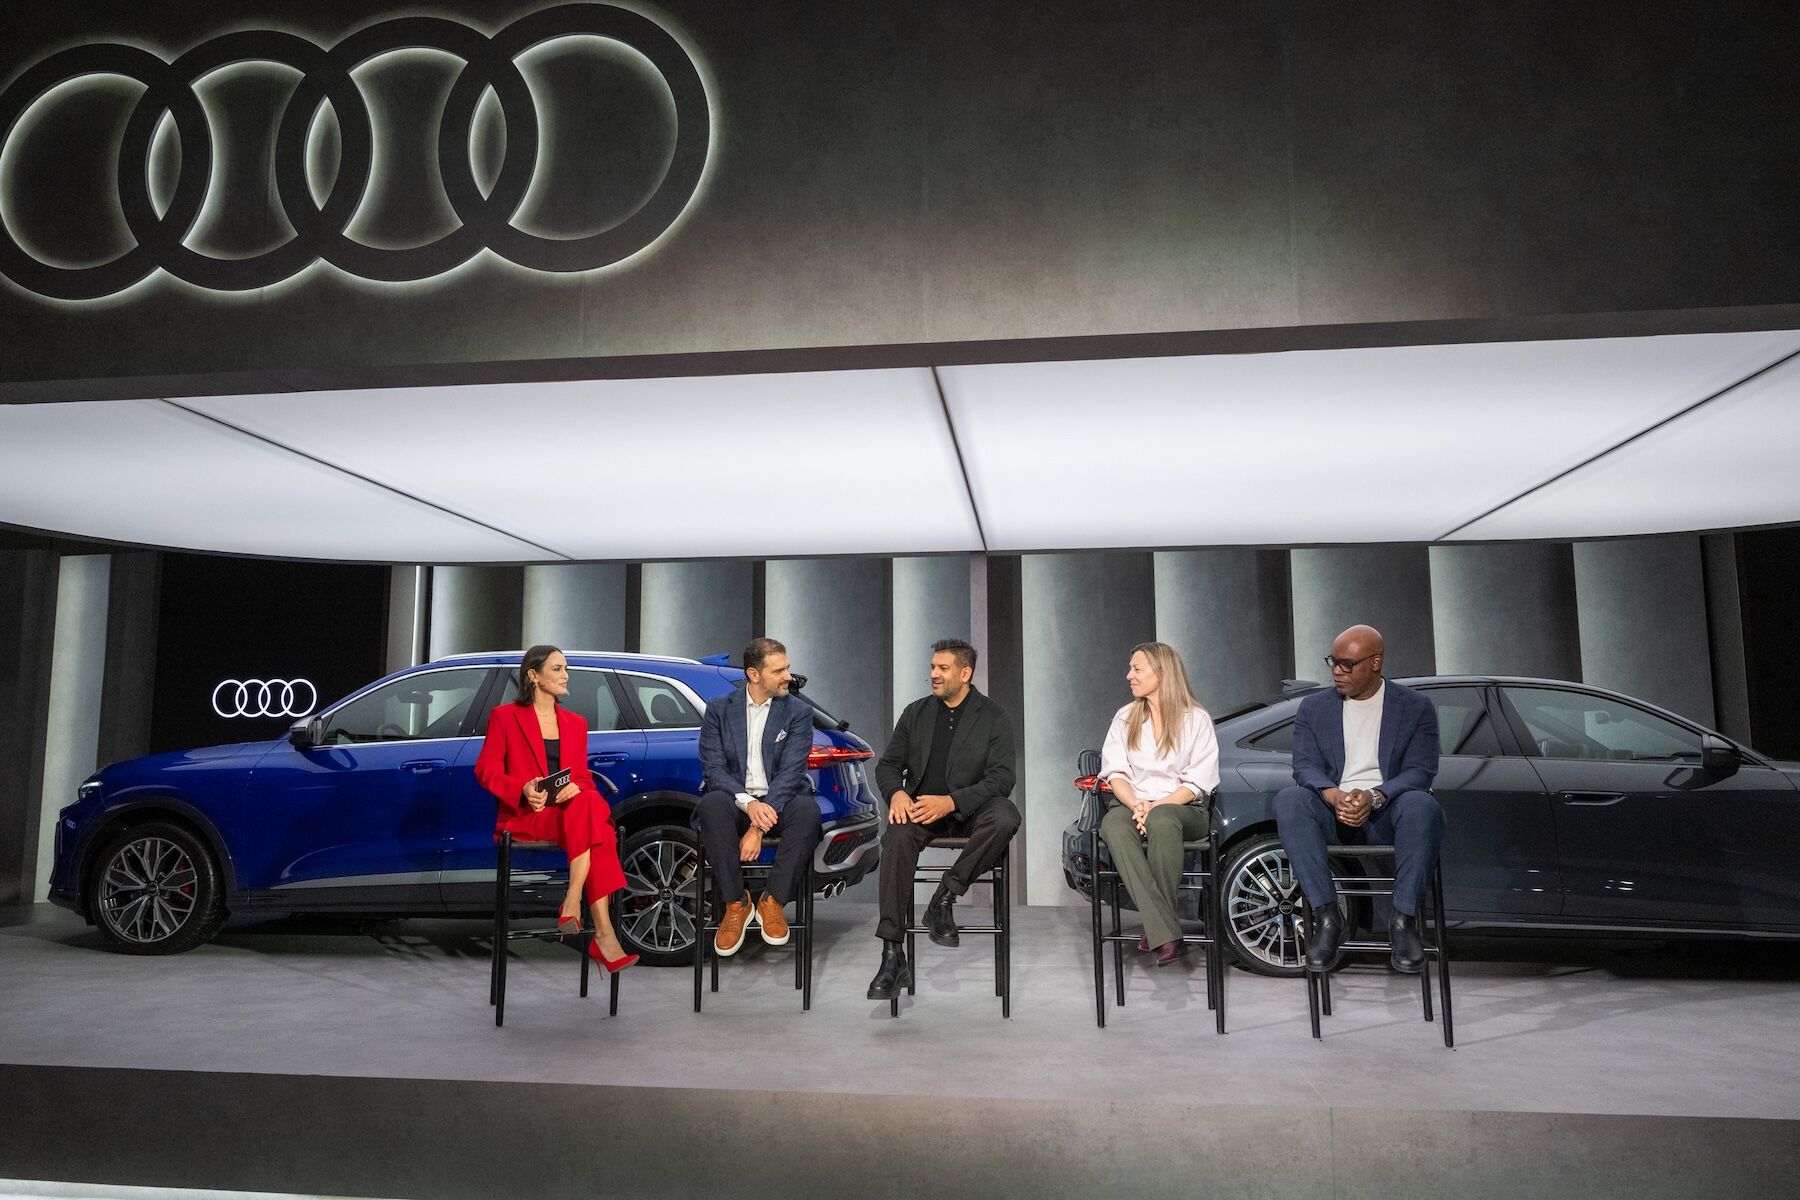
{"x": 833, "y": 616}
{"x": 1388, "y": 587}
{"x": 577, "y": 607}
{"x": 128, "y": 693}
{"x": 28, "y": 581}
{"x": 409, "y": 601}
{"x": 1228, "y": 613}
{"x": 1642, "y": 607}
{"x": 697, "y": 608}
{"x": 72, "y": 730}
{"x": 1505, "y": 610}
{"x": 1080, "y": 614}
{"x": 1725, "y": 630}
{"x": 475, "y": 608}
{"x": 931, "y": 601}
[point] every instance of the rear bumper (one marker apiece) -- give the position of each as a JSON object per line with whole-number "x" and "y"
{"x": 848, "y": 851}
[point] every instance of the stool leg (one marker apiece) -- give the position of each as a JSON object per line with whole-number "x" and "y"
{"x": 501, "y": 883}
{"x": 1443, "y": 952}
{"x": 1006, "y": 931}
{"x": 800, "y": 915}
{"x": 806, "y": 947}
{"x": 502, "y": 913}
{"x": 1425, "y": 986}
{"x": 912, "y": 943}
{"x": 1312, "y": 1002}
{"x": 1113, "y": 881}
{"x": 699, "y": 924}
{"x": 1099, "y": 946}
{"x": 999, "y": 938}
{"x": 612, "y": 1003}
{"x": 582, "y": 944}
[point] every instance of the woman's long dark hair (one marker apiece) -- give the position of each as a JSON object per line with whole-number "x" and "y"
{"x": 535, "y": 658}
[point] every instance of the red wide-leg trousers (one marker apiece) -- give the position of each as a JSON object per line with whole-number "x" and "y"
{"x": 583, "y": 825}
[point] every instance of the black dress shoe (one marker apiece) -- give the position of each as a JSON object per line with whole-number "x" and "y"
{"x": 940, "y": 919}
{"x": 1324, "y": 938}
{"x": 894, "y": 973}
{"x": 1408, "y": 955}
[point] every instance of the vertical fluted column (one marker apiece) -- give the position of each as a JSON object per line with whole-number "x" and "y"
{"x": 1505, "y": 610}
{"x": 1641, "y": 603}
{"x": 1388, "y": 587}
{"x": 1228, "y": 613}
{"x": 475, "y": 609}
{"x": 578, "y": 607}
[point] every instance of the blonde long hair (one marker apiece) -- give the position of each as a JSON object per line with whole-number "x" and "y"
{"x": 1173, "y": 696}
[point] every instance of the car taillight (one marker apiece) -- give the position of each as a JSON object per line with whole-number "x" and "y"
{"x": 1086, "y": 784}
{"x": 830, "y": 756}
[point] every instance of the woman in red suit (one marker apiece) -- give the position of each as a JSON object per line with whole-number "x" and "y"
{"x": 528, "y": 741}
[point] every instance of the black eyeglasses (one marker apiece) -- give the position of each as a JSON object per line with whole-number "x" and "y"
{"x": 1347, "y": 665}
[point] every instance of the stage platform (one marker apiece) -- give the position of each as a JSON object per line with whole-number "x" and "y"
{"x": 313, "y": 1057}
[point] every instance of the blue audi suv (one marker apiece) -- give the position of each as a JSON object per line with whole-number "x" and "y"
{"x": 370, "y": 807}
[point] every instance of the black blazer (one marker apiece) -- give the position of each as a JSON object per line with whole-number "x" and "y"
{"x": 980, "y": 768}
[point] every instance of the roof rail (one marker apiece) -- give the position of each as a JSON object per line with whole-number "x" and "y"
{"x": 596, "y": 653}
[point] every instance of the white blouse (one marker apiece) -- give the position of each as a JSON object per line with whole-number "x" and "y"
{"x": 1193, "y": 763}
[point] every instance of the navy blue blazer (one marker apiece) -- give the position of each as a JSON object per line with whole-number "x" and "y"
{"x": 725, "y": 742}
{"x": 1408, "y": 750}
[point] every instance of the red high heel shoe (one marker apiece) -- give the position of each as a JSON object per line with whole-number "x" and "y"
{"x": 615, "y": 965}
{"x": 568, "y": 926}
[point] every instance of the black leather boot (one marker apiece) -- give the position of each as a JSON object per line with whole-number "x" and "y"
{"x": 1324, "y": 938}
{"x": 1408, "y": 955}
{"x": 940, "y": 919}
{"x": 894, "y": 973}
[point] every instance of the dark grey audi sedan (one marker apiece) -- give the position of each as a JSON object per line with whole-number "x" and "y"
{"x": 1570, "y": 808}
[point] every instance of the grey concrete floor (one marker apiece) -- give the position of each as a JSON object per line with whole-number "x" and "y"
{"x": 1656, "y": 1029}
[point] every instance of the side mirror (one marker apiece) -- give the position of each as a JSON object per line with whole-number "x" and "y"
{"x": 307, "y": 732}
{"x": 1719, "y": 756}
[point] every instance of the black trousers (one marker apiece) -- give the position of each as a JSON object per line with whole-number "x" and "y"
{"x": 721, "y": 823}
{"x": 988, "y": 831}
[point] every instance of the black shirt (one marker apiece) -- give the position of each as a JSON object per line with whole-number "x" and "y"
{"x": 935, "y": 781}
{"x": 552, "y": 756}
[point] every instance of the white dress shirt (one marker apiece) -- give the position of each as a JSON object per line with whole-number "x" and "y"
{"x": 1362, "y": 742}
{"x": 1193, "y": 763}
{"x": 756, "y": 780}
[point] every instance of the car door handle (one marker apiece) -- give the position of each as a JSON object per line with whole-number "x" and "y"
{"x": 1591, "y": 799}
{"x": 615, "y": 756}
{"x": 423, "y": 766}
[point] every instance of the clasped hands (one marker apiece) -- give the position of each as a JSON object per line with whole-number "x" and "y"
{"x": 762, "y": 819}
{"x": 1352, "y": 807}
{"x": 919, "y": 810}
{"x": 535, "y": 798}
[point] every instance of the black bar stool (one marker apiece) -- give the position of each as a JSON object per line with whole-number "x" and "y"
{"x": 995, "y": 876}
{"x": 1200, "y": 881}
{"x": 533, "y": 893}
{"x": 800, "y": 929}
{"x": 1432, "y": 934}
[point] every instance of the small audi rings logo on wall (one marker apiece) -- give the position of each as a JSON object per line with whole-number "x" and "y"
{"x": 319, "y": 229}
{"x": 264, "y": 698}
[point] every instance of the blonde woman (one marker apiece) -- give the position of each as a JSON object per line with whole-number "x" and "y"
{"x": 1162, "y": 760}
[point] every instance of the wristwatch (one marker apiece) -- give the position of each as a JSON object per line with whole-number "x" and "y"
{"x": 1377, "y": 799}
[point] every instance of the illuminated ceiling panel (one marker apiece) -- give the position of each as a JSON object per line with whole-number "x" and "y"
{"x": 145, "y": 471}
{"x": 1729, "y": 463}
{"x": 844, "y": 462}
{"x": 1364, "y": 445}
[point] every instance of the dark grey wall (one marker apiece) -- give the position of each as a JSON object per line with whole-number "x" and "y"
{"x": 833, "y": 616}
{"x": 1229, "y": 614}
{"x": 696, "y": 608}
{"x": 1505, "y": 610}
{"x": 578, "y": 607}
{"x": 475, "y": 608}
{"x": 27, "y": 627}
{"x": 1388, "y": 587}
{"x": 1642, "y": 608}
{"x": 942, "y": 171}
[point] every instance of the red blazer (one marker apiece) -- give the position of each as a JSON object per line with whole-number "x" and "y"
{"x": 512, "y": 755}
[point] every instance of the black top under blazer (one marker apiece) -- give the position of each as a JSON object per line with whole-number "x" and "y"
{"x": 981, "y": 766}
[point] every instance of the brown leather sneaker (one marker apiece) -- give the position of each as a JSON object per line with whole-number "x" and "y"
{"x": 731, "y": 927}
{"x": 772, "y": 920}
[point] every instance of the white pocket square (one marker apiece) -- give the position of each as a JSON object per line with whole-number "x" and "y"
{"x": 781, "y": 735}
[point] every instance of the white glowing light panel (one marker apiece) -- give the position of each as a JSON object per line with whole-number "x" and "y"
{"x": 843, "y": 462}
{"x": 1733, "y": 462}
{"x": 1366, "y": 445}
{"x": 146, "y": 472}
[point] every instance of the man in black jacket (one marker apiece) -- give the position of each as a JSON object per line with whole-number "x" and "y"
{"x": 947, "y": 772}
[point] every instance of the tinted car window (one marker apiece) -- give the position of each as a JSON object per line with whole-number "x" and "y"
{"x": 431, "y": 705}
{"x": 1464, "y": 726}
{"x": 592, "y": 696}
{"x": 662, "y": 703}
{"x": 1579, "y": 725}
{"x": 1280, "y": 738}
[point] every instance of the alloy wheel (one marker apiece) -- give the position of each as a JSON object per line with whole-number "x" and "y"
{"x": 657, "y": 911}
{"x": 1263, "y": 908}
{"x": 147, "y": 890}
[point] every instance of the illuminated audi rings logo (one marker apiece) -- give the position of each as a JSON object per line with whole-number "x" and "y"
{"x": 319, "y": 229}
{"x": 264, "y": 698}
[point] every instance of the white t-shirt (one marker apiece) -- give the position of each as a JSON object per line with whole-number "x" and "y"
{"x": 1193, "y": 764}
{"x": 1362, "y": 741}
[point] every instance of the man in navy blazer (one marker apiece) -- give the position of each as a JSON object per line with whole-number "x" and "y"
{"x": 1365, "y": 755}
{"x": 753, "y": 748}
